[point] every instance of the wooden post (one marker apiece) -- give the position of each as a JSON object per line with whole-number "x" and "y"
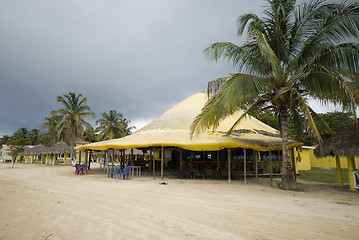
{"x": 32, "y": 159}
{"x": 245, "y": 165}
{"x": 131, "y": 161}
{"x": 47, "y": 158}
{"x": 104, "y": 160}
{"x": 90, "y": 156}
{"x": 181, "y": 163}
{"x": 153, "y": 163}
{"x": 255, "y": 161}
{"x": 42, "y": 158}
{"x": 79, "y": 157}
{"x": 65, "y": 155}
{"x": 113, "y": 157}
{"x": 270, "y": 167}
{"x": 339, "y": 171}
{"x": 54, "y": 159}
{"x": 162, "y": 158}
{"x": 108, "y": 167}
{"x": 86, "y": 160}
{"x": 351, "y": 168}
{"x": 217, "y": 164}
{"x": 229, "y": 164}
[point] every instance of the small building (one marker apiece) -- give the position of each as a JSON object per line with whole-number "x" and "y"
{"x": 5, "y": 153}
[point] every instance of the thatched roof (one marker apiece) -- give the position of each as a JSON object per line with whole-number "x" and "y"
{"x": 27, "y": 151}
{"x": 60, "y": 148}
{"x": 38, "y": 149}
{"x": 342, "y": 143}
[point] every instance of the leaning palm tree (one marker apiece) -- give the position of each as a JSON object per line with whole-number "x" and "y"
{"x": 292, "y": 53}
{"x": 113, "y": 125}
{"x": 73, "y": 112}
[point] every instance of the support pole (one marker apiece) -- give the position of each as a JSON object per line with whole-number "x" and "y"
{"x": 54, "y": 159}
{"x": 162, "y": 155}
{"x": 65, "y": 155}
{"x": 79, "y": 157}
{"x": 104, "y": 161}
{"x": 90, "y": 158}
{"x": 217, "y": 164}
{"x": 339, "y": 171}
{"x": 270, "y": 167}
{"x": 229, "y": 164}
{"x": 86, "y": 160}
{"x": 181, "y": 163}
{"x": 245, "y": 165}
{"x": 108, "y": 166}
{"x": 131, "y": 161}
{"x": 153, "y": 163}
{"x": 255, "y": 161}
{"x": 113, "y": 157}
{"x": 32, "y": 159}
{"x": 351, "y": 168}
{"x": 47, "y": 158}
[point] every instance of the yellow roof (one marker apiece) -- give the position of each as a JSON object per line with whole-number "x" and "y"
{"x": 173, "y": 127}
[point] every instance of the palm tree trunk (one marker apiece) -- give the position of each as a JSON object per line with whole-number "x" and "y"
{"x": 288, "y": 178}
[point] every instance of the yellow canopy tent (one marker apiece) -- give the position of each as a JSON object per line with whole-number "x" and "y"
{"x": 172, "y": 129}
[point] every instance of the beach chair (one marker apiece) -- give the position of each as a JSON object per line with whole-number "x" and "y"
{"x": 126, "y": 172}
{"x": 208, "y": 173}
{"x": 356, "y": 179}
{"x": 115, "y": 171}
{"x": 196, "y": 173}
{"x": 185, "y": 174}
{"x": 224, "y": 173}
{"x": 79, "y": 169}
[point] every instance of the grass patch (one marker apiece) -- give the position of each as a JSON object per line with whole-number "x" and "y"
{"x": 323, "y": 176}
{"x": 297, "y": 189}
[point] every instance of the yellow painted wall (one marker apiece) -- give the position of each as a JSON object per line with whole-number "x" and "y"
{"x": 303, "y": 162}
{"x": 309, "y": 160}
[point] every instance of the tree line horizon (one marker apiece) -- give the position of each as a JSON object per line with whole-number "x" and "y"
{"x": 68, "y": 123}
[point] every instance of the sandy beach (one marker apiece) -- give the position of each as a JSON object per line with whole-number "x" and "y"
{"x": 50, "y": 202}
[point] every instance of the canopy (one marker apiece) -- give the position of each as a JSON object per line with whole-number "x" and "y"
{"x": 172, "y": 129}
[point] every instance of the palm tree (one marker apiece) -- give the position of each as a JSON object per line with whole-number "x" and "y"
{"x": 51, "y": 124}
{"x": 33, "y": 136}
{"x": 292, "y": 53}
{"x": 89, "y": 134}
{"x": 73, "y": 113}
{"x": 113, "y": 125}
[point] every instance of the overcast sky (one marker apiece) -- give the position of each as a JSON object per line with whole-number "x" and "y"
{"x": 139, "y": 57}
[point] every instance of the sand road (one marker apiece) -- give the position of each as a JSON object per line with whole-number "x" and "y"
{"x": 50, "y": 202}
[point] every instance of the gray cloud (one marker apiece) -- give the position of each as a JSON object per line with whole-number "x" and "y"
{"x": 136, "y": 56}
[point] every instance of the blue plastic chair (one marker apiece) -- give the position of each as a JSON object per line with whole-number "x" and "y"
{"x": 79, "y": 169}
{"x": 116, "y": 170}
{"x": 126, "y": 172}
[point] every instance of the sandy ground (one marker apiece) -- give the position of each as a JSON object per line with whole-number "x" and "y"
{"x": 50, "y": 202}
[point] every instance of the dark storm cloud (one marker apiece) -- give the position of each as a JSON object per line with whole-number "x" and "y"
{"x": 138, "y": 57}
